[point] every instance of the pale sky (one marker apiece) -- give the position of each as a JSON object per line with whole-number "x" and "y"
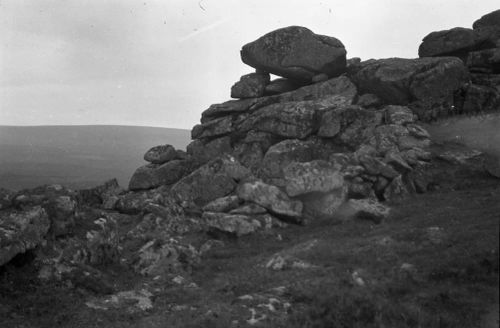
{"x": 161, "y": 63}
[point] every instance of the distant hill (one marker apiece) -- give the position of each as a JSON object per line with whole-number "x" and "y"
{"x": 77, "y": 156}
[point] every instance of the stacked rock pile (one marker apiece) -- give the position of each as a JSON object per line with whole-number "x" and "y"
{"x": 330, "y": 131}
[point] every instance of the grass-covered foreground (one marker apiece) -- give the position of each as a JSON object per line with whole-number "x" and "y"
{"x": 433, "y": 263}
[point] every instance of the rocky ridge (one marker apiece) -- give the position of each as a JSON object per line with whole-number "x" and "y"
{"x": 332, "y": 139}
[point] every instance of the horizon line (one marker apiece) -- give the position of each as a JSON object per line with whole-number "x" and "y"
{"x": 81, "y": 125}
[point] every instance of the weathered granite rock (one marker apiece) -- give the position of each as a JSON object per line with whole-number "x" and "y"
{"x": 160, "y": 154}
{"x": 250, "y": 85}
{"x": 271, "y": 198}
{"x": 283, "y": 153}
{"x": 249, "y": 209}
{"x": 281, "y": 85}
{"x": 203, "y": 151}
{"x": 399, "y": 81}
{"x": 367, "y": 209}
{"x": 375, "y": 166}
{"x": 480, "y": 98}
{"x": 154, "y": 175}
{"x": 160, "y": 258}
{"x": 350, "y": 125}
{"x": 294, "y": 120}
{"x": 398, "y": 115}
{"x": 315, "y": 176}
{"x": 215, "y": 128}
{"x": 213, "y": 180}
{"x": 489, "y": 20}
{"x": 457, "y": 42}
{"x": 369, "y": 100}
{"x": 6, "y": 197}
{"x": 104, "y": 195}
{"x": 136, "y": 202}
{"x": 341, "y": 87}
{"x": 223, "y": 204}
{"x": 21, "y": 231}
{"x": 231, "y": 223}
{"x": 296, "y": 53}
{"x": 487, "y": 60}
{"x": 323, "y": 206}
{"x": 58, "y": 202}
{"x": 396, "y": 190}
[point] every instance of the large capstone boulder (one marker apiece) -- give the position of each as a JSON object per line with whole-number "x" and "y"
{"x": 400, "y": 81}
{"x": 250, "y": 85}
{"x": 297, "y": 53}
{"x": 217, "y": 178}
{"x": 21, "y": 231}
{"x": 271, "y": 198}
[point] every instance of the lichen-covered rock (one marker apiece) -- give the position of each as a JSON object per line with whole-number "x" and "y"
{"x": 296, "y": 53}
{"x": 350, "y": 125}
{"x": 21, "y": 231}
{"x": 282, "y": 154}
{"x": 480, "y": 98}
{"x": 223, "y": 204}
{"x": 323, "y": 206}
{"x": 367, "y": 209}
{"x": 161, "y": 258}
{"x": 294, "y": 120}
{"x": 135, "y": 202}
{"x": 457, "y": 41}
{"x": 487, "y": 60}
{"x": 249, "y": 209}
{"x": 271, "y": 198}
{"x": 59, "y": 203}
{"x": 154, "y": 175}
{"x": 237, "y": 224}
{"x": 489, "y": 20}
{"x": 203, "y": 151}
{"x": 281, "y": 85}
{"x": 217, "y": 178}
{"x": 250, "y": 86}
{"x": 400, "y": 81}
{"x": 315, "y": 176}
{"x": 160, "y": 154}
{"x": 401, "y": 115}
{"x": 6, "y": 197}
{"x": 215, "y": 128}
{"x": 105, "y": 195}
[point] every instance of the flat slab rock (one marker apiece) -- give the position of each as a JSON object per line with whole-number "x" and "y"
{"x": 271, "y": 198}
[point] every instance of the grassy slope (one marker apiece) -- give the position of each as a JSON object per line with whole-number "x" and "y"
{"x": 77, "y": 156}
{"x": 450, "y": 238}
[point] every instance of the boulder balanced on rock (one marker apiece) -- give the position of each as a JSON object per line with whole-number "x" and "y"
{"x": 297, "y": 53}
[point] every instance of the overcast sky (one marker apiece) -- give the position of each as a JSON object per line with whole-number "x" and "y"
{"x": 161, "y": 63}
